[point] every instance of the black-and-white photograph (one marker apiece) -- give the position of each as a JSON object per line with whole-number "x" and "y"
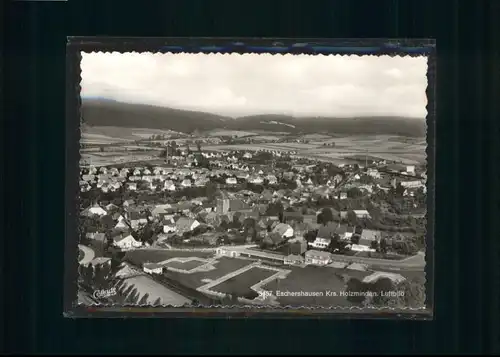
{"x": 253, "y": 180}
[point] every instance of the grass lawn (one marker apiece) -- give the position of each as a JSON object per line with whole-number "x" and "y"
{"x": 185, "y": 265}
{"x": 223, "y": 267}
{"x": 138, "y": 257}
{"x": 312, "y": 280}
{"x": 240, "y": 284}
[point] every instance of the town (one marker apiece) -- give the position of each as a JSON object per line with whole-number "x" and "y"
{"x": 207, "y": 221}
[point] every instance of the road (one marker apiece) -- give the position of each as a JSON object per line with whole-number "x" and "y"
{"x": 416, "y": 262}
{"x": 88, "y": 254}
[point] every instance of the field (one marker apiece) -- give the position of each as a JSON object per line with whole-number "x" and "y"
{"x": 312, "y": 280}
{"x": 380, "y": 146}
{"x": 240, "y": 285}
{"x": 138, "y": 257}
{"x": 388, "y": 147}
{"x": 111, "y": 134}
{"x": 223, "y": 267}
{"x": 237, "y": 133}
{"x": 185, "y": 265}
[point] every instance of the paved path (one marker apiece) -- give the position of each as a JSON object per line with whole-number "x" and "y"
{"x": 88, "y": 254}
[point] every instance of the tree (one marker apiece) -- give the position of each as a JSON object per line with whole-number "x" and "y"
{"x": 274, "y": 209}
{"x": 352, "y": 218}
{"x": 378, "y": 287}
{"x": 337, "y": 245}
{"x": 354, "y": 192}
{"x": 355, "y": 239}
{"x": 383, "y": 245}
{"x": 357, "y": 288}
{"x": 311, "y": 235}
{"x": 374, "y": 245}
{"x": 400, "y": 190}
{"x": 366, "y": 180}
{"x": 143, "y": 300}
{"x": 88, "y": 275}
{"x": 325, "y": 216}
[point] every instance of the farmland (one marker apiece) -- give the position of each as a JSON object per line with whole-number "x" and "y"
{"x": 241, "y": 284}
{"x": 378, "y": 145}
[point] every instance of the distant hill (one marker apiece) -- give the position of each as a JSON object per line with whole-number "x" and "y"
{"x": 98, "y": 112}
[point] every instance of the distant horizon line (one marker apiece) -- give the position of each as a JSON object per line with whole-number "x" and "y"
{"x": 252, "y": 115}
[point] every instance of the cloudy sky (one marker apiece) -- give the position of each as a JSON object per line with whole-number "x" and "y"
{"x": 237, "y": 85}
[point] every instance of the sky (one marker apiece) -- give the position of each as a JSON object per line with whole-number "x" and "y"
{"x": 238, "y": 85}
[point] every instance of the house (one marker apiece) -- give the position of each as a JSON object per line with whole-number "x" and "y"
{"x": 410, "y": 169}
{"x": 257, "y": 180}
{"x": 200, "y": 182}
{"x": 326, "y": 231}
{"x": 132, "y": 186}
{"x": 412, "y": 184}
{"x": 362, "y": 213}
{"x": 247, "y": 155}
{"x": 137, "y": 218}
{"x": 226, "y": 205}
{"x": 95, "y": 210}
{"x": 185, "y": 224}
{"x": 297, "y": 246}
{"x": 310, "y": 218}
{"x": 373, "y": 173}
{"x": 343, "y": 196}
{"x": 227, "y": 252}
{"x": 160, "y": 209}
{"x": 126, "y": 242}
{"x": 89, "y": 178}
{"x": 272, "y": 179}
{"x": 316, "y": 257}
{"x": 128, "y": 203}
{"x": 169, "y": 225}
{"x": 361, "y": 248}
{"x": 344, "y": 231}
{"x": 325, "y": 235}
{"x": 122, "y": 223}
{"x": 152, "y": 268}
{"x": 368, "y": 236}
{"x": 168, "y": 185}
{"x": 284, "y": 230}
{"x": 289, "y": 217}
{"x": 231, "y": 181}
{"x": 100, "y": 261}
{"x": 186, "y": 183}
{"x": 293, "y": 259}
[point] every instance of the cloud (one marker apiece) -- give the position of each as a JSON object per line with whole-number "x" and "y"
{"x": 233, "y": 84}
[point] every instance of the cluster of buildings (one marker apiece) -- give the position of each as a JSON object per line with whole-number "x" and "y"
{"x": 206, "y": 220}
